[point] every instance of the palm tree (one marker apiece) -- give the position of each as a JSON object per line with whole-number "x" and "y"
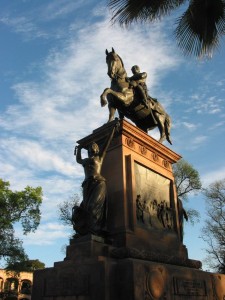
{"x": 198, "y": 31}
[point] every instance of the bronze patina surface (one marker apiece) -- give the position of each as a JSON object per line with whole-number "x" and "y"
{"x": 90, "y": 216}
{"x": 130, "y": 97}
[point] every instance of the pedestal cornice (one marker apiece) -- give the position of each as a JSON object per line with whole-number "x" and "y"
{"x": 132, "y": 135}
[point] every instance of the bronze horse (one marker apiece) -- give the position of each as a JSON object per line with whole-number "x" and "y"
{"x": 127, "y": 101}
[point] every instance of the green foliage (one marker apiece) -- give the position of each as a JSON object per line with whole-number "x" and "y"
{"x": 11, "y": 247}
{"x": 186, "y": 178}
{"x": 213, "y": 232}
{"x": 65, "y": 209}
{"x": 20, "y": 206}
{"x": 187, "y": 181}
{"x": 26, "y": 265}
{"x": 198, "y": 31}
{"x": 17, "y": 206}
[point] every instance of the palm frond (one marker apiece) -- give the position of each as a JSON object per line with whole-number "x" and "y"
{"x": 127, "y": 11}
{"x": 200, "y": 28}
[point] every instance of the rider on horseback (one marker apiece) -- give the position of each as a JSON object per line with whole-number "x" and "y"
{"x": 123, "y": 98}
{"x": 138, "y": 81}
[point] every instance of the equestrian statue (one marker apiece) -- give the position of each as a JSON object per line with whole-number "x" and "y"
{"x": 129, "y": 96}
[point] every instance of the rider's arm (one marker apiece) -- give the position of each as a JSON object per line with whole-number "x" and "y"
{"x": 139, "y": 76}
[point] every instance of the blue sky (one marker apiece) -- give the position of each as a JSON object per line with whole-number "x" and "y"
{"x": 52, "y": 72}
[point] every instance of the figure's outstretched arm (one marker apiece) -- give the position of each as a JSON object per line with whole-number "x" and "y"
{"x": 77, "y": 153}
{"x": 108, "y": 141}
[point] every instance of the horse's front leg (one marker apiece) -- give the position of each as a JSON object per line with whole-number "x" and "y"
{"x": 103, "y": 97}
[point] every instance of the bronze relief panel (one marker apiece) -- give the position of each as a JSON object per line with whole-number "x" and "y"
{"x": 153, "y": 204}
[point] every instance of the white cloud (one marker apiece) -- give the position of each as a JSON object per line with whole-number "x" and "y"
{"x": 215, "y": 110}
{"x": 30, "y": 27}
{"x": 46, "y": 234}
{"x": 192, "y": 143}
{"x": 35, "y": 156}
{"x": 195, "y": 97}
{"x": 221, "y": 83}
{"x": 198, "y": 140}
{"x": 208, "y": 106}
{"x": 190, "y": 126}
{"x": 60, "y": 9}
{"x": 211, "y": 176}
{"x": 23, "y": 25}
{"x": 217, "y": 125}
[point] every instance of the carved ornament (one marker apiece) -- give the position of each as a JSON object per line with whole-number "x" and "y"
{"x": 143, "y": 150}
{"x": 130, "y": 142}
{"x": 165, "y": 163}
{"x": 155, "y": 156}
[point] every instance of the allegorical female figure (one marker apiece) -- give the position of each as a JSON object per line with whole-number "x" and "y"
{"x": 90, "y": 216}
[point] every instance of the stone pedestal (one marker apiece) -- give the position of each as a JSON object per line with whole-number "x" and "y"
{"x": 142, "y": 255}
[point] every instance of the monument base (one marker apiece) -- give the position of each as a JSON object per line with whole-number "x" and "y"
{"x": 142, "y": 256}
{"x": 91, "y": 271}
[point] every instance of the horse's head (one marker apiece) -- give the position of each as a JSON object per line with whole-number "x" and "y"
{"x": 115, "y": 65}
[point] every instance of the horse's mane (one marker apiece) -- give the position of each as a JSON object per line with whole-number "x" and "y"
{"x": 121, "y": 60}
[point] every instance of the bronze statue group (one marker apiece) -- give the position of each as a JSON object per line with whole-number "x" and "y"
{"x": 129, "y": 95}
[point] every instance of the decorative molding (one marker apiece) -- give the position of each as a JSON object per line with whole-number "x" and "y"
{"x": 129, "y": 131}
{"x": 155, "y": 285}
{"x": 125, "y": 252}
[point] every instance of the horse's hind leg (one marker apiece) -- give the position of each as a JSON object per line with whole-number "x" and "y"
{"x": 112, "y": 111}
{"x": 121, "y": 115}
{"x": 160, "y": 120}
{"x": 167, "y": 128}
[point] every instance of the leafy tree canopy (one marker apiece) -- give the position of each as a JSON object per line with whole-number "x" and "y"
{"x": 187, "y": 180}
{"x": 65, "y": 209}
{"x": 17, "y": 207}
{"x": 198, "y": 30}
{"x": 213, "y": 232}
{"x": 29, "y": 265}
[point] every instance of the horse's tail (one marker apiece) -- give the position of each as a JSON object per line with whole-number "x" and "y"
{"x": 168, "y": 124}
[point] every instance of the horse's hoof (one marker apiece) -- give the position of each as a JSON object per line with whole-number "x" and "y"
{"x": 169, "y": 140}
{"x": 162, "y": 139}
{"x": 103, "y": 102}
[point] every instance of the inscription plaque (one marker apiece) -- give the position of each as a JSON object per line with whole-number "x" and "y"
{"x": 67, "y": 285}
{"x": 187, "y": 287}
